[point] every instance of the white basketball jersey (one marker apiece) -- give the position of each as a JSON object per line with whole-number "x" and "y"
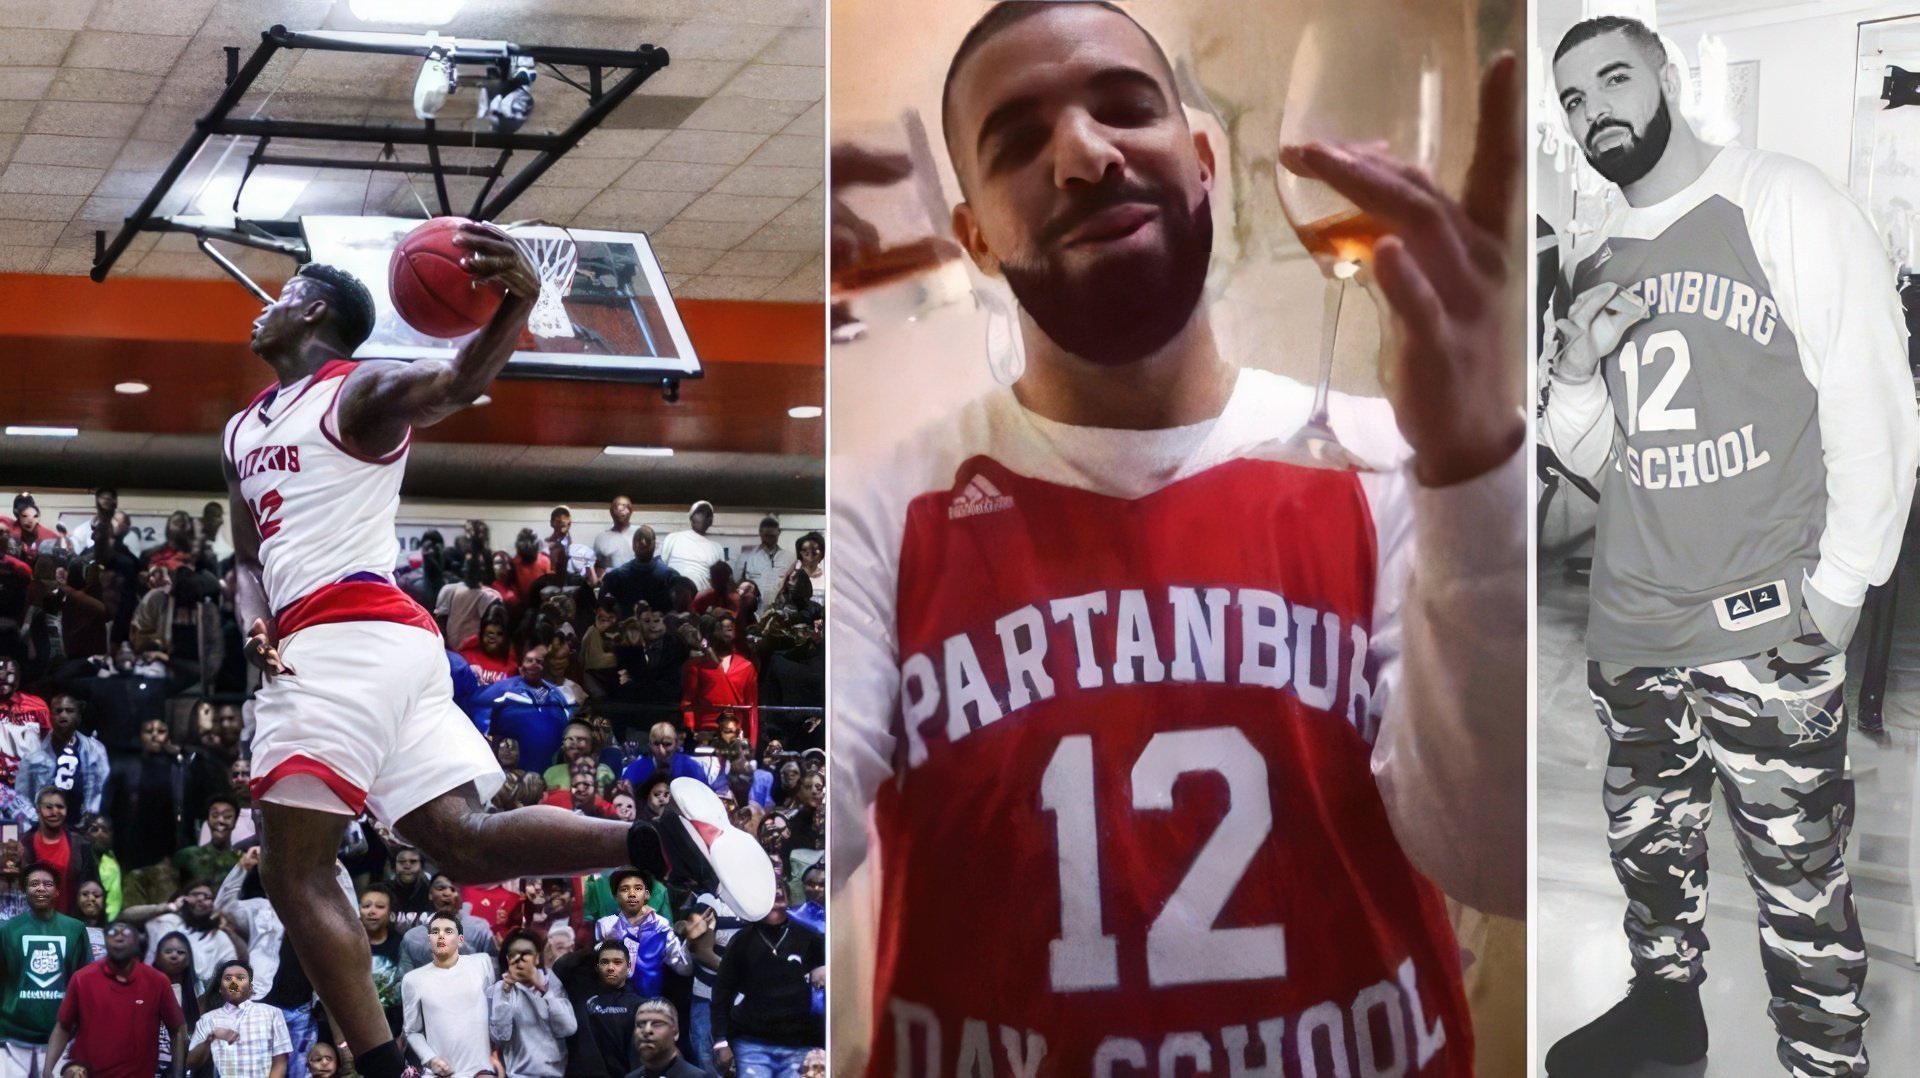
{"x": 324, "y": 513}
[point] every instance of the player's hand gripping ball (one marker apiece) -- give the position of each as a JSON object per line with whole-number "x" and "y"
{"x": 449, "y": 276}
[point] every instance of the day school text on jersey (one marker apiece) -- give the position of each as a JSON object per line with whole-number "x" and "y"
{"x": 1083, "y": 643}
{"x": 1724, "y": 303}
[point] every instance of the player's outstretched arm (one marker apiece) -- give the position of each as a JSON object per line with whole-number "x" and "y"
{"x": 383, "y": 400}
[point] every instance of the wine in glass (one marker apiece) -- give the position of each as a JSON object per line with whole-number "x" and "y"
{"x": 1367, "y": 75}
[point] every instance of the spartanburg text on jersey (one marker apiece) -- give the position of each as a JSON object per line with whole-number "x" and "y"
{"x": 1132, "y": 819}
{"x": 1716, "y": 499}
{"x": 324, "y": 514}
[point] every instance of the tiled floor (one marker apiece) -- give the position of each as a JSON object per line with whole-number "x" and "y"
{"x": 1582, "y": 964}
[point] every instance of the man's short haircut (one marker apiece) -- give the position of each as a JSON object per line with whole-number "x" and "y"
{"x": 610, "y": 944}
{"x": 229, "y": 964}
{"x": 349, "y": 304}
{"x": 657, "y": 1005}
{"x": 443, "y": 915}
{"x": 1002, "y": 15}
{"x": 819, "y": 866}
{"x": 55, "y": 790}
{"x": 1634, "y": 30}
{"x": 769, "y": 519}
{"x": 42, "y": 866}
{"x": 378, "y": 887}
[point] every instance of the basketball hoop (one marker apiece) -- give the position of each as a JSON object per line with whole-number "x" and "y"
{"x": 553, "y": 254}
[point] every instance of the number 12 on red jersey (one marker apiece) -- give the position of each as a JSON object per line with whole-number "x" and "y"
{"x": 1085, "y": 958}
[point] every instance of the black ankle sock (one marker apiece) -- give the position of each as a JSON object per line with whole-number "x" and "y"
{"x": 384, "y": 1061}
{"x": 646, "y": 850}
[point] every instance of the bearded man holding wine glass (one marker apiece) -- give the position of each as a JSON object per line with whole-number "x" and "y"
{"x": 1227, "y": 759}
{"x": 1735, "y": 375}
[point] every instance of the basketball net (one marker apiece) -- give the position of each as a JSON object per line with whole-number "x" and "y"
{"x": 553, "y": 254}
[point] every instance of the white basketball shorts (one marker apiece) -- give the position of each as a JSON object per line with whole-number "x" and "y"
{"x": 366, "y": 709}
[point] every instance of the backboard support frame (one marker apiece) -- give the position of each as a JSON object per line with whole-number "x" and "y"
{"x": 284, "y": 236}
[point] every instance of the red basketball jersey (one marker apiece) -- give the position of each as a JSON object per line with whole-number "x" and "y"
{"x": 1129, "y": 823}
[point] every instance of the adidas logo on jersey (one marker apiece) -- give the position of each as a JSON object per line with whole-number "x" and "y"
{"x": 1745, "y": 609}
{"x": 978, "y": 497}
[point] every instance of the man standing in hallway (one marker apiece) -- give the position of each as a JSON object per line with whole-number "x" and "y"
{"x": 1736, "y": 376}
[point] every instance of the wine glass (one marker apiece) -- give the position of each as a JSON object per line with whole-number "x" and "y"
{"x": 1371, "y": 74}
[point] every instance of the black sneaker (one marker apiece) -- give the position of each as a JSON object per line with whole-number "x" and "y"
{"x": 1660, "y": 1021}
{"x": 693, "y": 846}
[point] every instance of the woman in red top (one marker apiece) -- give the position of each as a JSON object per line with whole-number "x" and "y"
{"x": 580, "y": 794}
{"x": 505, "y": 582}
{"x": 487, "y": 651}
{"x": 720, "y": 680}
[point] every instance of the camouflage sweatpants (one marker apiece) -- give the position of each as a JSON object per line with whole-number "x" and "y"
{"x": 1772, "y": 730}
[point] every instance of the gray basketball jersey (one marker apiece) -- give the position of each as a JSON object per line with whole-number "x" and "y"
{"x": 1714, "y": 502}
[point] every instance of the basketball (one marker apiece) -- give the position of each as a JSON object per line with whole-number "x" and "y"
{"x": 431, "y": 290}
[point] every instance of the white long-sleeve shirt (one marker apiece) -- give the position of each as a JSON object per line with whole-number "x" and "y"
{"x": 1159, "y": 675}
{"x": 447, "y": 1013}
{"x": 1757, "y": 433}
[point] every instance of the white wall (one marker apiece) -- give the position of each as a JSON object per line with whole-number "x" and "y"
{"x": 1806, "y": 60}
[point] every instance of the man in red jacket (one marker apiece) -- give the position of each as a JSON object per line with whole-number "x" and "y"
{"x": 722, "y": 679}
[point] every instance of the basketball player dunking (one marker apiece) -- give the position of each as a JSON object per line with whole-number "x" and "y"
{"x": 356, "y": 709}
{"x": 1213, "y": 711}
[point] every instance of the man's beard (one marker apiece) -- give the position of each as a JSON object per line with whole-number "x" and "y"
{"x": 1629, "y": 162}
{"x": 199, "y": 922}
{"x": 1124, "y": 306}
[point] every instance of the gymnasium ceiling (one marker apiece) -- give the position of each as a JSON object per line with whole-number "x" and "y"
{"x": 718, "y": 157}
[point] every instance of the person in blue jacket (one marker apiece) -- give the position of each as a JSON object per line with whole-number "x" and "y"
{"x": 526, "y": 707}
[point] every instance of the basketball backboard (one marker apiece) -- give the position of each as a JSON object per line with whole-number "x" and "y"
{"x": 620, "y": 323}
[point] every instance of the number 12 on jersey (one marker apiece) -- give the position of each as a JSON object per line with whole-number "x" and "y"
{"x": 1183, "y": 947}
{"x": 1657, "y": 412}
{"x": 266, "y": 513}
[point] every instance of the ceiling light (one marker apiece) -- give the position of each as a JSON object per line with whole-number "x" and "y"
{"x": 44, "y": 432}
{"x": 639, "y": 451}
{"x": 806, "y": 411}
{"x": 131, "y": 388}
{"x": 410, "y": 12}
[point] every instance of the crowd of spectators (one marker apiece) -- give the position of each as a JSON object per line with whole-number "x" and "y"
{"x": 600, "y": 668}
